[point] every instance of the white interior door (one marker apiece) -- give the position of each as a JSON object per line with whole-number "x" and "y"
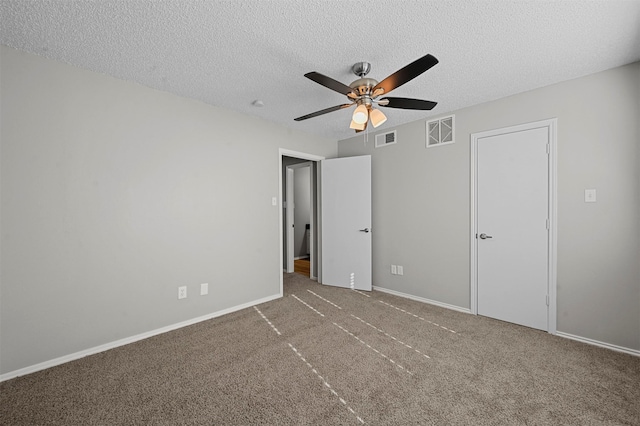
{"x": 345, "y": 197}
{"x": 512, "y": 214}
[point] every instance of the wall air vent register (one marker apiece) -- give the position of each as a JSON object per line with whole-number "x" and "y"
{"x": 440, "y": 132}
{"x": 385, "y": 139}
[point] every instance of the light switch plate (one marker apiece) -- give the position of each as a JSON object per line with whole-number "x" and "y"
{"x": 589, "y": 195}
{"x": 204, "y": 289}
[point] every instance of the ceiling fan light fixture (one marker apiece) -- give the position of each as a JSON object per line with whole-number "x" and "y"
{"x": 360, "y": 115}
{"x": 377, "y": 117}
{"x": 356, "y": 126}
{"x": 364, "y": 92}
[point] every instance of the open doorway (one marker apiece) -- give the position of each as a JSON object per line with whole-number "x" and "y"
{"x": 306, "y": 242}
{"x": 298, "y": 215}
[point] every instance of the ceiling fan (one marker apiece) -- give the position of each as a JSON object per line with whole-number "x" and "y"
{"x": 364, "y": 92}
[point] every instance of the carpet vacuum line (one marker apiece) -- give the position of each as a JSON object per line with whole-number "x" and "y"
{"x": 373, "y": 326}
{"x": 293, "y": 348}
{"x": 351, "y": 410}
{"x": 354, "y": 336}
{"x": 268, "y": 322}
{"x": 326, "y": 300}
{"x": 417, "y": 316}
{"x": 390, "y": 336}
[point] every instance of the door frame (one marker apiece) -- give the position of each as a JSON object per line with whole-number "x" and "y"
{"x": 289, "y": 230}
{"x": 289, "y": 218}
{"x": 551, "y": 126}
{"x": 303, "y": 156}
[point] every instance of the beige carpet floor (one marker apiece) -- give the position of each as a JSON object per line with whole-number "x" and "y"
{"x": 327, "y": 356}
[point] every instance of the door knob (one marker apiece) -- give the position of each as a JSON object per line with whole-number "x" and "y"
{"x": 364, "y": 230}
{"x": 485, "y": 236}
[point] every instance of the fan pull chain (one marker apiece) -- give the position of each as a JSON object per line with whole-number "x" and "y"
{"x": 366, "y": 136}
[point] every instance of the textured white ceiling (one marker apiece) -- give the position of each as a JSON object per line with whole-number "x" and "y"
{"x": 230, "y": 53}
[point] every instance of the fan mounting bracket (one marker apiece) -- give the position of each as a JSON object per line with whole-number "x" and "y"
{"x": 361, "y": 68}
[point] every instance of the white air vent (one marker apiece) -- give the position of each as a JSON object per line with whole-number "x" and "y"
{"x": 440, "y": 132}
{"x": 385, "y": 139}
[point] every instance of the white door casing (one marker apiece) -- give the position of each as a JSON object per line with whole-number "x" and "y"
{"x": 345, "y": 193}
{"x": 290, "y": 227}
{"x": 306, "y": 156}
{"x": 513, "y": 239}
{"x": 290, "y": 223}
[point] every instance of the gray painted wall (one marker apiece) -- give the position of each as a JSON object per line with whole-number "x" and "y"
{"x": 421, "y": 203}
{"x": 113, "y": 195}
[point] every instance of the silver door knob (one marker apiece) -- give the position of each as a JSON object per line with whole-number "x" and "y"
{"x": 485, "y": 236}
{"x": 364, "y": 230}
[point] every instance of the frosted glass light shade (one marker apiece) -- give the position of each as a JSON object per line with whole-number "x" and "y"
{"x": 356, "y": 126}
{"x": 360, "y": 115}
{"x": 377, "y": 117}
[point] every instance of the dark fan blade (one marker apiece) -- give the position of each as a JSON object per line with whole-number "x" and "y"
{"x": 407, "y": 73}
{"x": 408, "y": 103}
{"x": 324, "y": 111}
{"x": 329, "y": 82}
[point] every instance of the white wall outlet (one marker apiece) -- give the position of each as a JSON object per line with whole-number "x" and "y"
{"x": 274, "y": 201}
{"x": 589, "y": 195}
{"x": 204, "y": 289}
{"x": 394, "y": 270}
{"x": 182, "y": 292}
{"x": 400, "y": 270}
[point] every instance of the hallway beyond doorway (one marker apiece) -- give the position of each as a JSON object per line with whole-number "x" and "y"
{"x": 302, "y": 266}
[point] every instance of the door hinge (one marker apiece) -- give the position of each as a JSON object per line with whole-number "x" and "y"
{"x": 547, "y": 300}
{"x": 547, "y": 224}
{"x": 548, "y": 149}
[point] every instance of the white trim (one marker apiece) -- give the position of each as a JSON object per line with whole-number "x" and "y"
{"x": 423, "y": 300}
{"x": 318, "y": 215}
{"x": 290, "y": 267}
{"x": 298, "y": 154}
{"x": 289, "y": 217}
{"x": 300, "y": 165}
{"x": 616, "y": 348}
{"x": 288, "y": 153}
{"x": 551, "y": 124}
{"x": 473, "y": 241}
{"x": 127, "y": 340}
{"x": 553, "y": 225}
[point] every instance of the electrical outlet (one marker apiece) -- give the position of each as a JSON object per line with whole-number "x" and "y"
{"x": 204, "y": 289}
{"x": 394, "y": 270}
{"x": 400, "y": 270}
{"x": 182, "y": 292}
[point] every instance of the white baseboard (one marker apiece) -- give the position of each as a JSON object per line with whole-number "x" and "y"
{"x": 616, "y": 348}
{"x": 423, "y": 300}
{"x": 610, "y": 346}
{"x": 127, "y": 340}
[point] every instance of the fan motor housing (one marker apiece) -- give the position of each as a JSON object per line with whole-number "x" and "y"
{"x": 363, "y": 86}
